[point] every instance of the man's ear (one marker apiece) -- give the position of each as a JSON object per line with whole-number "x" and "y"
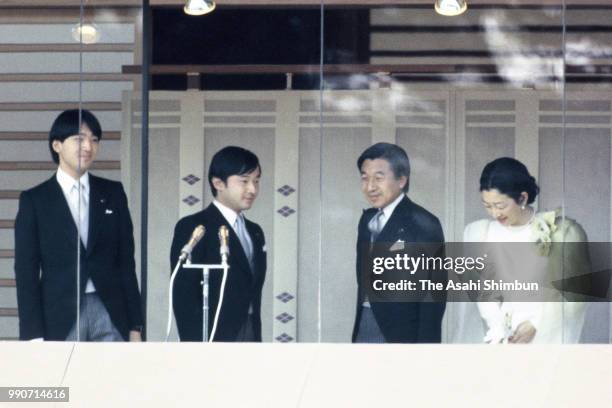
{"x": 56, "y": 145}
{"x": 218, "y": 183}
{"x": 403, "y": 182}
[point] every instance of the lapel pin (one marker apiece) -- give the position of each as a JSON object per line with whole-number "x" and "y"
{"x": 108, "y": 211}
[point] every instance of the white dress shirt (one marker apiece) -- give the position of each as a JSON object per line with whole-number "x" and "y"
{"x": 231, "y": 216}
{"x": 387, "y": 212}
{"x": 70, "y": 188}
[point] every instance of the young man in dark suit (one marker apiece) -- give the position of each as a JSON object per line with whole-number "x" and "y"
{"x": 394, "y": 225}
{"x": 234, "y": 180}
{"x": 76, "y": 215}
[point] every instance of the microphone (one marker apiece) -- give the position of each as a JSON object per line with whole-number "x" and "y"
{"x": 223, "y": 248}
{"x": 196, "y": 236}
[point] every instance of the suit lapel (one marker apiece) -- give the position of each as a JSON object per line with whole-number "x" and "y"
{"x": 96, "y": 202}
{"x": 257, "y": 241}
{"x": 60, "y": 211}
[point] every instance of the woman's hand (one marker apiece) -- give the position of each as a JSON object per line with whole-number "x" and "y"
{"x": 524, "y": 333}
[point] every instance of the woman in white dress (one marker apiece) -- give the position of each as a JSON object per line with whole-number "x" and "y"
{"x": 508, "y": 192}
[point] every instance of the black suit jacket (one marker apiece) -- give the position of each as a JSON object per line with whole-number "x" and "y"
{"x": 242, "y": 288}
{"x": 404, "y": 321}
{"x": 46, "y": 252}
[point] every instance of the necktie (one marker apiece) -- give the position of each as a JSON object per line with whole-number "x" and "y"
{"x": 244, "y": 238}
{"x": 81, "y": 217}
{"x": 376, "y": 225}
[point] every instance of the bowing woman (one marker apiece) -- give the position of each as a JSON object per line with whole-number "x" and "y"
{"x": 546, "y": 247}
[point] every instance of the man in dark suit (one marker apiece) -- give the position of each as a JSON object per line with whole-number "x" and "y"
{"x": 395, "y": 225}
{"x": 76, "y": 215}
{"x": 234, "y": 180}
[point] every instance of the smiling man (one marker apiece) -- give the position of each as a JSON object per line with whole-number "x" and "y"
{"x": 393, "y": 224}
{"x": 234, "y": 180}
{"x": 74, "y": 203}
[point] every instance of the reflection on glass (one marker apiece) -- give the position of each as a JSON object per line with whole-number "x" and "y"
{"x": 74, "y": 247}
{"x": 454, "y": 93}
{"x": 583, "y": 153}
{"x": 86, "y": 33}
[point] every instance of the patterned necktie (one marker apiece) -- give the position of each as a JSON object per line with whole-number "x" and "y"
{"x": 376, "y": 225}
{"x": 244, "y": 238}
{"x": 80, "y": 216}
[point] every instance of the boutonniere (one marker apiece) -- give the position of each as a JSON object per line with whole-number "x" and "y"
{"x": 544, "y": 226}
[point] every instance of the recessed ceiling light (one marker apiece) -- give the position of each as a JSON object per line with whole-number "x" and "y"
{"x": 199, "y": 7}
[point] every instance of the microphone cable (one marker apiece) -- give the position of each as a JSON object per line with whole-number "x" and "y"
{"x": 170, "y": 309}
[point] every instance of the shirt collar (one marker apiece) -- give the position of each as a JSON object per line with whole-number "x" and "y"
{"x": 229, "y": 214}
{"x": 388, "y": 210}
{"x": 66, "y": 181}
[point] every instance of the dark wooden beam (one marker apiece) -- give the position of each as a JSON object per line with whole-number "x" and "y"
{"x": 310, "y": 69}
{"x": 340, "y": 69}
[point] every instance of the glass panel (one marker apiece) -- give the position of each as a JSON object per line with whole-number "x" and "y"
{"x": 61, "y": 77}
{"x": 582, "y": 132}
{"x": 348, "y": 116}
{"x": 39, "y": 78}
{"x": 454, "y": 93}
{"x": 109, "y": 299}
{"x": 251, "y": 98}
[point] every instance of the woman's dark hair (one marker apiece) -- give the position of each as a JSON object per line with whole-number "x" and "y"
{"x": 67, "y": 124}
{"x": 510, "y": 177}
{"x": 231, "y": 161}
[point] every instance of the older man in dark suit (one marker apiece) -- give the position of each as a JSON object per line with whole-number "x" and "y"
{"x": 395, "y": 225}
{"x": 76, "y": 215}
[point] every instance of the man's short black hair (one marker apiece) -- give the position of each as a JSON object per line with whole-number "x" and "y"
{"x": 395, "y": 155}
{"x": 231, "y": 161}
{"x": 67, "y": 124}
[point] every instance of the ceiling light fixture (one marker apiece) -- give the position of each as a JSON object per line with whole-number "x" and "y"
{"x": 199, "y": 7}
{"x": 450, "y": 7}
{"x": 85, "y": 33}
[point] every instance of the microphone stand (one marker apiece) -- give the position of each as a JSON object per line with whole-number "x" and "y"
{"x": 206, "y": 268}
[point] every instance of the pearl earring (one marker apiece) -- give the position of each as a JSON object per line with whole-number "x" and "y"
{"x": 523, "y": 207}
